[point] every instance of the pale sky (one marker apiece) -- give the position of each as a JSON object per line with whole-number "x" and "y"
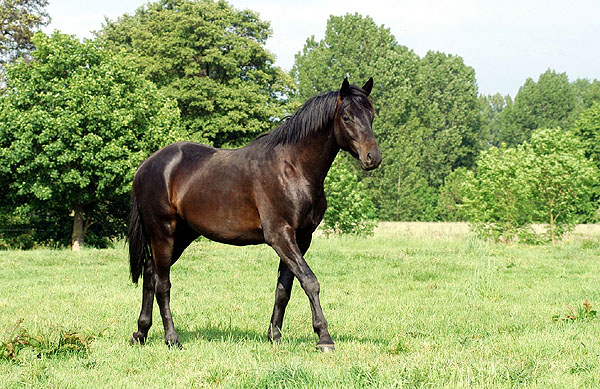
{"x": 505, "y": 41}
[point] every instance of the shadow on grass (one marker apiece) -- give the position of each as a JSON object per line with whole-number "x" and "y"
{"x": 228, "y": 333}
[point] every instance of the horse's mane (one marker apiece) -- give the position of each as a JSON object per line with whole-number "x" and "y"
{"x": 315, "y": 115}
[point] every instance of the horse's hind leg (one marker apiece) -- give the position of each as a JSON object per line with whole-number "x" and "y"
{"x": 145, "y": 319}
{"x": 283, "y": 292}
{"x": 163, "y": 253}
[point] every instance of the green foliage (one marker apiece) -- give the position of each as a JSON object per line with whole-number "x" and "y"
{"x": 587, "y": 128}
{"x": 495, "y": 109}
{"x": 587, "y": 93}
{"x": 547, "y": 103}
{"x": 547, "y": 180}
{"x": 412, "y": 196}
{"x": 500, "y": 201}
{"x": 563, "y": 180}
{"x": 457, "y": 186}
{"x": 427, "y": 119}
{"x": 19, "y": 19}
{"x": 209, "y": 57}
{"x": 55, "y": 343}
{"x": 74, "y": 125}
{"x": 447, "y": 111}
{"x": 350, "y": 209}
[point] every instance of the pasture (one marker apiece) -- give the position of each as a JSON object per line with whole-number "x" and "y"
{"x": 416, "y": 305}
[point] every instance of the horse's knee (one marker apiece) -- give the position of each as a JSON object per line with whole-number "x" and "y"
{"x": 311, "y": 285}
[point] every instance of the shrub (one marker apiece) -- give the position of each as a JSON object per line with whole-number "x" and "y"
{"x": 548, "y": 181}
{"x": 350, "y": 210}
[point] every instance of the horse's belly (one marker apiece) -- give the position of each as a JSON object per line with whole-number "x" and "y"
{"x": 227, "y": 223}
{"x": 238, "y": 238}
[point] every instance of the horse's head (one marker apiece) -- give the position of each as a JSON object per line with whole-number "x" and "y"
{"x": 352, "y": 124}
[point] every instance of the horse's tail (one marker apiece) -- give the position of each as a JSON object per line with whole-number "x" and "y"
{"x": 139, "y": 247}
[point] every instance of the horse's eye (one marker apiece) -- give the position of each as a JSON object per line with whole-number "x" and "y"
{"x": 346, "y": 118}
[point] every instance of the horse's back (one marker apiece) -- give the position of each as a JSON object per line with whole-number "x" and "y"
{"x": 153, "y": 181}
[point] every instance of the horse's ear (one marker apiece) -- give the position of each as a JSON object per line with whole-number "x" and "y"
{"x": 345, "y": 90}
{"x": 368, "y": 86}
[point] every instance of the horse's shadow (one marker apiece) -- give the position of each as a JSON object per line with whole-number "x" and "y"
{"x": 226, "y": 333}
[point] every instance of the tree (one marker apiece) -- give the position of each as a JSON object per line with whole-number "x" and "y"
{"x": 447, "y": 115}
{"x": 563, "y": 180}
{"x": 547, "y": 103}
{"x": 500, "y": 200}
{"x": 209, "y": 57}
{"x": 74, "y": 124}
{"x": 19, "y": 19}
{"x": 587, "y": 128}
{"x": 587, "y": 93}
{"x": 494, "y": 111}
{"x": 457, "y": 186}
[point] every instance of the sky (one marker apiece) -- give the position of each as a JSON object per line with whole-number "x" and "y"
{"x": 505, "y": 41}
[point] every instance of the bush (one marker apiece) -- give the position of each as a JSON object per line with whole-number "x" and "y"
{"x": 350, "y": 210}
{"x": 548, "y": 181}
{"x": 563, "y": 181}
{"x": 451, "y": 206}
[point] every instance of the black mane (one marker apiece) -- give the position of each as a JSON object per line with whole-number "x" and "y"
{"x": 314, "y": 116}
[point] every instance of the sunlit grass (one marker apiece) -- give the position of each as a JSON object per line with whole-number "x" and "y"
{"x": 416, "y": 305}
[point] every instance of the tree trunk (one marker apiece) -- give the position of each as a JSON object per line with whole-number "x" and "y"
{"x": 552, "y": 227}
{"x": 78, "y": 228}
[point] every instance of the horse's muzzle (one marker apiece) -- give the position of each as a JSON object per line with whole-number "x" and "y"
{"x": 371, "y": 159}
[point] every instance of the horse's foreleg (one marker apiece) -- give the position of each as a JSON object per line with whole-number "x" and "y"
{"x": 285, "y": 279}
{"x": 145, "y": 319}
{"x": 284, "y": 243}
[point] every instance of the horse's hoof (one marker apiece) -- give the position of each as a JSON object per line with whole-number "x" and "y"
{"x": 326, "y": 348}
{"x": 137, "y": 338}
{"x": 174, "y": 344}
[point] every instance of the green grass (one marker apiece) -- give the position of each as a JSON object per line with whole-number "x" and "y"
{"x": 417, "y": 305}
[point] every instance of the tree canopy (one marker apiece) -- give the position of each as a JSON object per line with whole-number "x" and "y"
{"x": 210, "y": 58}
{"x": 546, "y": 103}
{"x": 74, "y": 124}
{"x": 19, "y": 19}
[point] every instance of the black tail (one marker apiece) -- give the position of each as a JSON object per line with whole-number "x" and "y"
{"x": 139, "y": 247}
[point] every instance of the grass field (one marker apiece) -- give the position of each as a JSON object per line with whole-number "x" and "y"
{"x": 417, "y": 305}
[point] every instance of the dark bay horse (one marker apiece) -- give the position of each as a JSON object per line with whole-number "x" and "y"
{"x": 270, "y": 191}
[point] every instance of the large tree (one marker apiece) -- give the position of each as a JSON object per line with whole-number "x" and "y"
{"x": 75, "y": 122}
{"x": 494, "y": 111}
{"x": 19, "y": 19}
{"x": 446, "y": 114}
{"x": 546, "y": 103}
{"x": 211, "y": 58}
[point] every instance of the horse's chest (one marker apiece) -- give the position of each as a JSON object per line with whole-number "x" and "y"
{"x": 313, "y": 212}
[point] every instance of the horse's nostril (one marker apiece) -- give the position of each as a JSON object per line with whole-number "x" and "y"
{"x": 369, "y": 157}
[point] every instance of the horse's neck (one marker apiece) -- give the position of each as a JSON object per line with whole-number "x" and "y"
{"x": 315, "y": 154}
